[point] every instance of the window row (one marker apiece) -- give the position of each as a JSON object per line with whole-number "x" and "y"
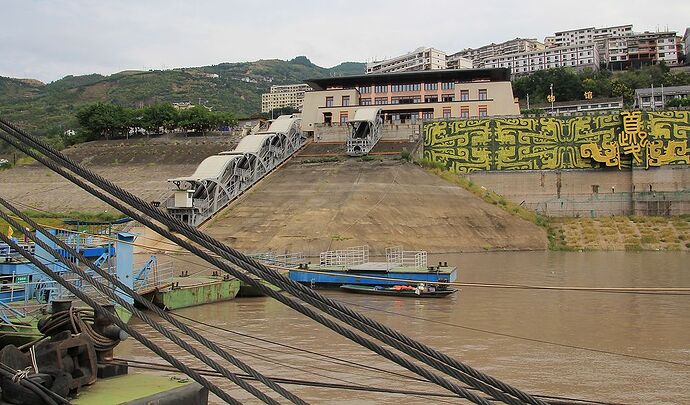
{"x": 345, "y": 101}
{"x": 483, "y": 112}
{"x": 482, "y": 94}
{"x": 405, "y": 87}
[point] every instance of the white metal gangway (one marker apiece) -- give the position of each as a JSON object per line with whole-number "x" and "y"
{"x": 365, "y": 131}
{"x": 221, "y": 178}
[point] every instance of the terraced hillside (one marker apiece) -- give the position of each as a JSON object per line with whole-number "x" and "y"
{"x": 141, "y": 166}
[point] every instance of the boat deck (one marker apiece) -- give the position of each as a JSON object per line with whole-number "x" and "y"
{"x": 371, "y": 273}
{"x": 142, "y": 389}
{"x": 381, "y": 267}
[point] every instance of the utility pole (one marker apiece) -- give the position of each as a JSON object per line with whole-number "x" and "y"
{"x": 528, "y": 101}
{"x": 652, "y": 98}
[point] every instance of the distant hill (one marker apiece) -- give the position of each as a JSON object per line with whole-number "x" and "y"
{"x": 49, "y": 108}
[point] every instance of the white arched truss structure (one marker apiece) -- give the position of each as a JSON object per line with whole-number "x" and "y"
{"x": 365, "y": 131}
{"x": 219, "y": 179}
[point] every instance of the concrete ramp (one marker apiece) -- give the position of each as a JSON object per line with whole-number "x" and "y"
{"x": 314, "y": 207}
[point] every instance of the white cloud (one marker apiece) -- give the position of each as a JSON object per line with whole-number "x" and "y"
{"x": 50, "y": 39}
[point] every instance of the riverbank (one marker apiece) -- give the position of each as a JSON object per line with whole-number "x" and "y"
{"x": 630, "y": 233}
{"x": 622, "y": 233}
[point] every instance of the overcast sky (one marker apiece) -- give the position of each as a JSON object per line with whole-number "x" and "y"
{"x": 47, "y": 40}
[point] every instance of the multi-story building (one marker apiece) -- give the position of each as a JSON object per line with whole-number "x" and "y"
{"x": 458, "y": 62}
{"x": 291, "y": 95}
{"x": 588, "y": 35}
{"x": 478, "y": 56}
{"x": 419, "y": 59}
{"x": 686, "y": 46}
{"x": 657, "y": 97}
{"x": 645, "y": 48}
{"x": 550, "y": 42}
{"x": 411, "y": 96}
{"x": 575, "y": 56}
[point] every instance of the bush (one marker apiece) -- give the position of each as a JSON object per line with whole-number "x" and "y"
{"x": 678, "y": 102}
{"x": 430, "y": 164}
{"x": 406, "y": 155}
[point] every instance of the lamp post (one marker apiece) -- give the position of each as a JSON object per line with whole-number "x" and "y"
{"x": 551, "y": 98}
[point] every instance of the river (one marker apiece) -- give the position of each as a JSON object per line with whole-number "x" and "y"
{"x": 614, "y": 347}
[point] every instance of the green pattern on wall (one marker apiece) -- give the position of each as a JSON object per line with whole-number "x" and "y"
{"x": 584, "y": 142}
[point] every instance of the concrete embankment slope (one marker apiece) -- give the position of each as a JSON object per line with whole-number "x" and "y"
{"x": 141, "y": 166}
{"x": 314, "y": 207}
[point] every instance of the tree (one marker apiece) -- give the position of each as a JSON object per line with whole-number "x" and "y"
{"x": 159, "y": 116}
{"x": 196, "y": 119}
{"x": 102, "y": 120}
{"x": 620, "y": 89}
{"x": 678, "y": 102}
{"x": 569, "y": 85}
{"x": 224, "y": 119}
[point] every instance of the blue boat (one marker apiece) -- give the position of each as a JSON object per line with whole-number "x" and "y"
{"x": 352, "y": 266}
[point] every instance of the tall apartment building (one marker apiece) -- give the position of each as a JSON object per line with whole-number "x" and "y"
{"x": 291, "y": 95}
{"x": 645, "y": 48}
{"x": 588, "y": 35}
{"x": 419, "y": 59}
{"x": 479, "y": 56}
{"x": 575, "y": 56}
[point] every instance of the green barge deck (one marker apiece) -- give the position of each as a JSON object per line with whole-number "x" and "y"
{"x": 191, "y": 291}
{"x": 142, "y": 389}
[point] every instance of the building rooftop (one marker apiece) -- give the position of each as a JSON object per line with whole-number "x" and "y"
{"x": 574, "y": 103}
{"x": 668, "y": 91}
{"x": 427, "y": 76}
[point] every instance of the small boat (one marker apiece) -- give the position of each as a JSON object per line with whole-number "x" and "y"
{"x": 400, "y": 290}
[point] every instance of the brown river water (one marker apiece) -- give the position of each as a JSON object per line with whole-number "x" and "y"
{"x": 613, "y": 347}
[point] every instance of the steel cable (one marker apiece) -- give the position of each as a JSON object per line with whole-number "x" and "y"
{"x": 117, "y": 321}
{"x": 174, "y": 224}
{"x": 430, "y": 356}
{"x": 222, "y": 265}
{"x": 110, "y": 293}
{"x": 152, "y": 307}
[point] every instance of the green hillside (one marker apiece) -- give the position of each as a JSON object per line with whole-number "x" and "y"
{"x": 48, "y": 109}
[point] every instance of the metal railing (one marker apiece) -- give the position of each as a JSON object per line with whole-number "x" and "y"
{"x": 8, "y": 254}
{"x": 291, "y": 259}
{"x": 153, "y": 274}
{"x": 397, "y": 257}
{"x": 41, "y": 291}
{"x": 345, "y": 257}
